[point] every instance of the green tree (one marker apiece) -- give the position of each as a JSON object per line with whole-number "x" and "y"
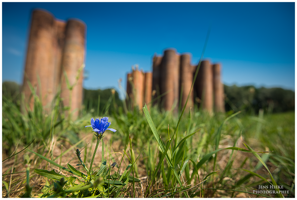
{"x": 108, "y": 102}
{"x": 12, "y": 91}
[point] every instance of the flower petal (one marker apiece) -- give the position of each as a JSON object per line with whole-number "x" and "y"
{"x": 97, "y": 124}
{"x": 96, "y": 130}
{"x": 111, "y": 129}
{"x": 89, "y": 126}
{"x": 105, "y": 119}
{"x": 102, "y": 124}
{"x": 92, "y": 122}
{"x": 105, "y": 126}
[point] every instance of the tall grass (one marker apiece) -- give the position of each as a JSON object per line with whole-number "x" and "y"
{"x": 198, "y": 140}
{"x": 181, "y": 163}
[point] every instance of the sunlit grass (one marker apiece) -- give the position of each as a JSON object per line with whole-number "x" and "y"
{"x": 187, "y": 170}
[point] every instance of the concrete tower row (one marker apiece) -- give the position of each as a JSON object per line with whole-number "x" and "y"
{"x": 139, "y": 88}
{"x": 172, "y": 79}
{"x": 55, "y": 50}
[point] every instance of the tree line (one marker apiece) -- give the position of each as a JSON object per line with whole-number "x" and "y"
{"x": 237, "y": 98}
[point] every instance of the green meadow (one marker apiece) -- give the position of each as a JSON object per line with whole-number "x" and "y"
{"x": 152, "y": 153}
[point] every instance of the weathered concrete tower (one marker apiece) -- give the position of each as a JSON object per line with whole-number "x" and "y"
{"x": 40, "y": 63}
{"x": 58, "y": 50}
{"x": 138, "y": 93}
{"x": 218, "y": 89}
{"x": 72, "y": 65}
{"x": 53, "y": 44}
{"x": 148, "y": 79}
{"x": 204, "y": 86}
{"x": 129, "y": 90}
{"x": 170, "y": 80}
{"x": 186, "y": 79}
{"x": 156, "y": 78}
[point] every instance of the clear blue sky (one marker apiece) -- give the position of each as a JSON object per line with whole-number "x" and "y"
{"x": 254, "y": 42}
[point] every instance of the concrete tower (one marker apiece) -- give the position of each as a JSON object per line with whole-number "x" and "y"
{"x": 218, "y": 89}
{"x": 148, "y": 79}
{"x": 170, "y": 79}
{"x": 40, "y": 63}
{"x": 186, "y": 79}
{"x": 204, "y": 86}
{"x": 72, "y": 65}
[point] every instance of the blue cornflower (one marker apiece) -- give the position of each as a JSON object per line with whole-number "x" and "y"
{"x": 100, "y": 126}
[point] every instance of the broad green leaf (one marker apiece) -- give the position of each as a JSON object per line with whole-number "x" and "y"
{"x": 76, "y": 172}
{"x": 102, "y": 168}
{"x": 131, "y": 179}
{"x": 49, "y": 174}
{"x": 5, "y": 185}
{"x": 114, "y": 182}
{"x": 80, "y": 187}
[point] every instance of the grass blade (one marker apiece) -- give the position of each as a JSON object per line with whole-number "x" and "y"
{"x": 263, "y": 163}
{"x": 153, "y": 128}
{"x": 255, "y": 174}
{"x": 70, "y": 148}
{"x": 207, "y": 156}
{"x": 206, "y": 177}
{"x": 50, "y": 161}
{"x": 218, "y": 136}
{"x": 18, "y": 152}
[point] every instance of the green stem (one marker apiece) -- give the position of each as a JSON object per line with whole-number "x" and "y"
{"x": 28, "y": 174}
{"x": 102, "y": 151}
{"x": 97, "y": 144}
